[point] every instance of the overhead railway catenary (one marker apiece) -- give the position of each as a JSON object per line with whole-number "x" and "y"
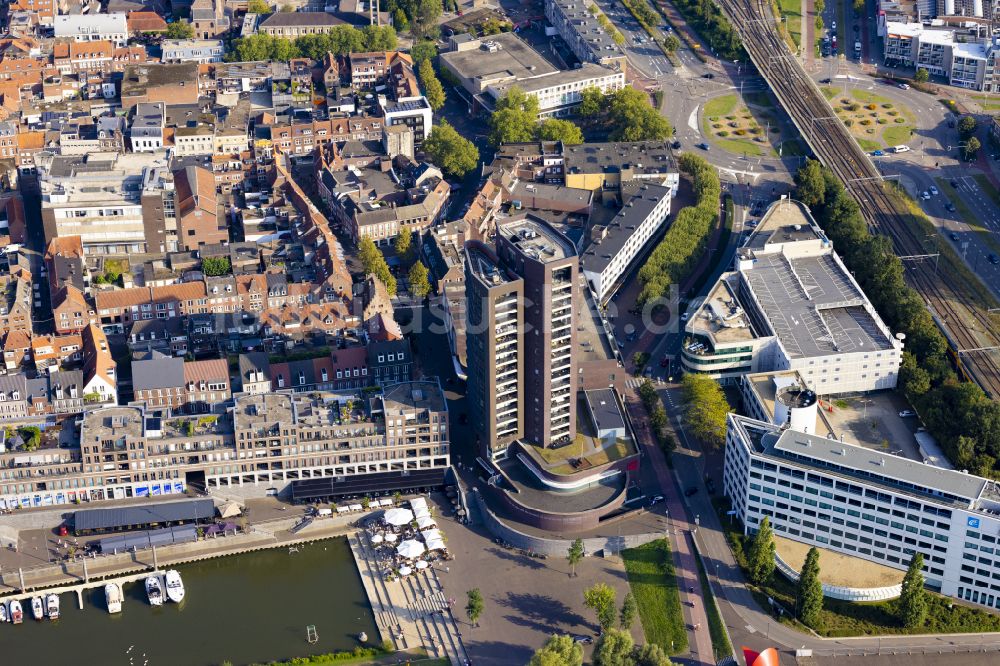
{"x": 835, "y": 148}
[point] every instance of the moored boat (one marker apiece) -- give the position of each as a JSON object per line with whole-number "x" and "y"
{"x": 37, "y": 609}
{"x": 113, "y": 596}
{"x": 52, "y": 606}
{"x": 175, "y": 587}
{"x": 16, "y": 613}
{"x": 153, "y": 590}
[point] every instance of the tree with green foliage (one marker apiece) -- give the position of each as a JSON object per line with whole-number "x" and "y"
{"x": 650, "y": 654}
{"x": 967, "y": 126}
{"x": 921, "y": 75}
{"x": 559, "y": 650}
{"x": 575, "y": 555}
{"x": 591, "y": 102}
{"x": 713, "y": 26}
{"x": 705, "y": 409}
{"x": 554, "y": 129}
{"x": 632, "y": 118}
{"x": 671, "y": 43}
{"x": 515, "y": 118}
{"x": 474, "y": 606}
{"x": 673, "y": 259}
{"x": 433, "y": 90}
{"x": 258, "y": 7}
{"x": 613, "y": 648}
{"x": 179, "y": 30}
{"x": 423, "y": 22}
{"x": 399, "y": 19}
{"x": 342, "y": 39}
{"x": 449, "y": 150}
{"x": 809, "y": 591}
{"x": 215, "y": 266}
{"x": 760, "y": 559}
{"x": 422, "y": 50}
{"x": 858, "y": 5}
{"x": 31, "y": 436}
{"x": 600, "y": 598}
{"x": 403, "y": 243}
{"x": 912, "y": 604}
{"x": 420, "y": 285}
{"x": 374, "y": 264}
{"x": 971, "y": 148}
{"x": 810, "y": 184}
{"x": 628, "y": 612}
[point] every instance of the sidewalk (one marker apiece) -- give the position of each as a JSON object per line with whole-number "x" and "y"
{"x": 685, "y": 565}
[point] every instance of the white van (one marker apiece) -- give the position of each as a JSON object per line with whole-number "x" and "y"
{"x": 901, "y": 149}
{"x": 323, "y": 513}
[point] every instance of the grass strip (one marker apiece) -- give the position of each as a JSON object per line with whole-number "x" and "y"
{"x": 651, "y": 578}
{"x": 970, "y": 218}
{"x": 986, "y": 186}
{"x": 716, "y": 627}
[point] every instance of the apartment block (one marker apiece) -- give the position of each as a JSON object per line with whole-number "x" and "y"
{"x": 576, "y": 22}
{"x": 263, "y": 441}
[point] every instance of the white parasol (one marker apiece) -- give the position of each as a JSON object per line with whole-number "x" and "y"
{"x": 390, "y": 537}
{"x": 377, "y": 538}
{"x": 405, "y": 571}
{"x": 423, "y": 522}
{"x": 398, "y": 517}
{"x": 421, "y": 564}
{"x": 410, "y": 549}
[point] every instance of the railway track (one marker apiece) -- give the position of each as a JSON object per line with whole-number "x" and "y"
{"x": 886, "y": 213}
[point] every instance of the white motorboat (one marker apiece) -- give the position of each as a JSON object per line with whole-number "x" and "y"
{"x": 154, "y": 591}
{"x": 37, "y": 609}
{"x": 52, "y": 606}
{"x": 175, "y": 587}
{"x": 113, "y": 595}
{"x": 3, "y": 613}
{"x": 16, "y": 614}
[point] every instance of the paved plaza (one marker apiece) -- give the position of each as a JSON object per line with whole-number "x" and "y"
{"x": 527, "y": 599}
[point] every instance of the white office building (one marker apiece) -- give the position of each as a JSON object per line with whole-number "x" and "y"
{"x": 92, "y": 27}
{"x": 868, "y": 504}
{"x": 791, "y": 304}
{"x": 560, "y": 93}
{"x": 619, "y": 242}
{"x": 202, "y": 51}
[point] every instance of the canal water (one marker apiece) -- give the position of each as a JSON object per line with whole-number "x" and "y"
{"x": 244, "y": 608}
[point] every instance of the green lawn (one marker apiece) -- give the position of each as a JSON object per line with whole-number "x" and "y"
{"x": 829, "y": 92}
{"x": 720, "y": 106}
{"x": 650, "y": 570}
{"x": 897, "y": 135}
{"x": 761, "y": 99}
{"x": 740, "y": 146}
{"x": 792, "y": 10}
{"x": 868, "y": 145}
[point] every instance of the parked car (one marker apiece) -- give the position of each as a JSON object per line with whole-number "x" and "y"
{"x": 925, "y": 195}
{"x": 703, "y": 145}
{"x": 953, "y": 235}
{"x": 690, "y": 491}
{"x": 656, "y": 500}
{"x": 676, "y": 145}
{"x": 708, "y": 75}
{"x": 903, "y": 86}
{"x": 586, "y": 640}
{"x": 878, "y": 153}
{"x": 825, "y": 80}
{"x": 950, "y": 207}
{"x": 993, "y": 259}
{"x": 954, "y": 184}
{"x": 933, "y": 190}
{"x": 906, "y": 413}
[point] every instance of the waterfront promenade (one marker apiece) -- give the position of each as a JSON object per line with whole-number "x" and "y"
{"x": 412, "y": 611}
{"x": 78, "y": 572}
